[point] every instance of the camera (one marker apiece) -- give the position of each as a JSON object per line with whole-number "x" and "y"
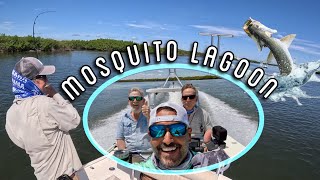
{"x": 219, "y": 135}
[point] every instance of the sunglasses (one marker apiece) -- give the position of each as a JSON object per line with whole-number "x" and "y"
{"x": 41, "y": 77}
{"x": 138, "y": 98}
{"x": 176, "y": 130}
{"x": 190, "y": 97}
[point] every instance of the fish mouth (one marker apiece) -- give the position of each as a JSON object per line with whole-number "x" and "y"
{"x": 253, "y": 28}
{"x": 246, "y": 26}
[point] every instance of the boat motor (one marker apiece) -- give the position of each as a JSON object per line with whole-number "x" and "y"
{"x": 219, "y": 135}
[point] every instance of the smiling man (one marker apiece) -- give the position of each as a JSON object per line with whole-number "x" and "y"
{"x": 170, "y": 134}
{"x": 133, "y": 126}
{"x": 199, "y": 119}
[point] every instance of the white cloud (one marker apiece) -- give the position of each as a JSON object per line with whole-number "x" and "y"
{"x": 308, "y": 43}
{"x": 162, "y": 37}
{"x": 7, "y": 25}
{"x": 139, "y": 26}
{"x": 302, "y": 40}
{"x": 305, "y": 49}
{"x": 220, "y": 30}
{"x": 306, "y": 46}
{"x": 313, "y": 45}
{"x": 148, "y": 25}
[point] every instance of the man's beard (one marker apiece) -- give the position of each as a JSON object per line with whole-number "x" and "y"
{"x": 136, "y": 111}
{"x": 169, "y": 161}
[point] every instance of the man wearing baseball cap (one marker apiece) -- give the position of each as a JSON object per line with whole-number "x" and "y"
{"x": 170, "y": 134}
{"x": 39, "y": 120}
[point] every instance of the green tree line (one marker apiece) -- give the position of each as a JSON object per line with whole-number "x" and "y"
{"x": 28, "y": 43}
{"x": 172, "y": 79}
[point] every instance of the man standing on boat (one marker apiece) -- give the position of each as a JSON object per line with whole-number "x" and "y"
{"x": 39, "y": 121}
{"x": 170, "y": 133}
{"x": 199, "y": 119}
{"x": 133, "y": 127}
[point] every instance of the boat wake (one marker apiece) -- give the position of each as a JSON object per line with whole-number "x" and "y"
{"x": 229, "y": 118}
{"x": 105, "y": 132}
{"x": 222, "y": 114}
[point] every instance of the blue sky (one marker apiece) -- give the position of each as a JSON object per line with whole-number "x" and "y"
{"x": 182, "y": 21}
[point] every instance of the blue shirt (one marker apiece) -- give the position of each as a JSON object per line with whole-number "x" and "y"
{"x": 135, "y": 133}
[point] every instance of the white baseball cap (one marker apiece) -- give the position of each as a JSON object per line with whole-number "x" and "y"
{"x": 180, "y": 117}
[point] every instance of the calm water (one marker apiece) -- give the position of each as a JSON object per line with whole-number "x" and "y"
{"x": 287, "y": 148}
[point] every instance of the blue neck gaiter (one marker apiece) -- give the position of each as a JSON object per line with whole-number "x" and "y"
{"x": 23, "y": 87}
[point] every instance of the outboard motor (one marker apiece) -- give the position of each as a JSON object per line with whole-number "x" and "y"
{"x": 219, "y": 135}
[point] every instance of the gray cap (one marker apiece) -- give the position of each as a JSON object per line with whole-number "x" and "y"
{"x": 180, "y": 117}
{"x": 31, "y": 67}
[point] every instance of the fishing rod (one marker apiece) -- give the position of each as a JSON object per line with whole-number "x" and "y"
{"x": 34, "y": 23}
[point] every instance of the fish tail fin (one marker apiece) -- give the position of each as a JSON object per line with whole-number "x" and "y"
{"x": 287, "y": 40}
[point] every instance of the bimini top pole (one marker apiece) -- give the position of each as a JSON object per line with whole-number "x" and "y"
{"x": 172, "y": 73}
{"x": 215, "y": 34}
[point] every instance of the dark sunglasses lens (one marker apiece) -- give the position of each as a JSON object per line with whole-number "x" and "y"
{"x": 138, "y": 98}
{"x": 41, "y": 77}
{"x": 157, "y": 131}
{"x": 190, "y": 97}
{"x": 178, "y": 129}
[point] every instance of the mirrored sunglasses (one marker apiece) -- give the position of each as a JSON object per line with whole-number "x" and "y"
{"x": 176, "y": 130}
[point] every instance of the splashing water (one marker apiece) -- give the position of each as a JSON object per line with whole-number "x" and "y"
{"x": 290, "y": 85}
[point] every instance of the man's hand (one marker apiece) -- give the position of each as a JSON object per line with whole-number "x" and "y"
{"x": 146, "y": 110}
{"x": 49, "y": 90}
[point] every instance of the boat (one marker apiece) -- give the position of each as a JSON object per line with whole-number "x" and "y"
{"x": 106, "y": 168}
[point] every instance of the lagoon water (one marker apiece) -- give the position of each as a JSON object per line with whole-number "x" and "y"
{"x": 287, "y": 148}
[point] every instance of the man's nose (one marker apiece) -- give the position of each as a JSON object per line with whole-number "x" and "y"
{"x": 168, "y": 138}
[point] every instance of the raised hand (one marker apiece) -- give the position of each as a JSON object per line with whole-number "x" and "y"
{"x": 146, "y": 110}
{"x": 49, "y": 90}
